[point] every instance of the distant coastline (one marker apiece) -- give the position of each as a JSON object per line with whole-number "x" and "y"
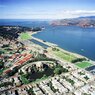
{"x": 82, "y": 37}
{"x": 84, "y": 22}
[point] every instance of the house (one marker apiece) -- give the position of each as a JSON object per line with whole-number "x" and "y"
{"x": 59, "y": 86}
{"x": 37, "y": 91}
{"x": 46, "y": 89}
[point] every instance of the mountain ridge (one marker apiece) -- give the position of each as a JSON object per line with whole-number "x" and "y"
{"x": 88, "y": 21}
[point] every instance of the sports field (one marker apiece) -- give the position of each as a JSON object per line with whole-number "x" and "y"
{"x": 64, "y": 55}
{"x": 84, "y": 64}
{"x": 25, "y": 36}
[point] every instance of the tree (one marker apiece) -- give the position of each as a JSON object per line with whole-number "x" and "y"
{"x": 58, "y": 70}
{"x": 1, "y": 64}
{"x": 4, "y": 84}
{"x": 86, "y": 77}
{"x": 1, "y": 52}
{"x": 78, "y": 60}
{"x": 15, "y": 70}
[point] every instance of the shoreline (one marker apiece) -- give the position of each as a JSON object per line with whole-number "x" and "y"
{"x": 55, "y": 45}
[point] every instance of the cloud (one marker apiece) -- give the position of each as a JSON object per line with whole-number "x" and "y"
{"x": 78, "y": 13}
{"x": 50, "y": 15}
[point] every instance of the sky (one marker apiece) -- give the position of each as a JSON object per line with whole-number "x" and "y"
{"x": 46, "y": 9}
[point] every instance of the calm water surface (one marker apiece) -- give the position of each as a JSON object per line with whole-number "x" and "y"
{"x": 71, "y": 38}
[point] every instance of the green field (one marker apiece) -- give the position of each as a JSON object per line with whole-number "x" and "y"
{"x": 24, "y": 80}
{"x": 25, "y": 36}
{"x": 65, "y": 56}
{"x": 84, "y": 64}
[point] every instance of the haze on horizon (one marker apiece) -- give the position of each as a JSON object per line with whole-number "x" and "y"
{"x": 46, "y": 9}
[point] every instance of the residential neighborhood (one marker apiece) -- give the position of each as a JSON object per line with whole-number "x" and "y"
{"x": 27, "y": 68}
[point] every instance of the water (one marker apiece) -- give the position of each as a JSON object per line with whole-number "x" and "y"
{"x": 71, "y": 38}
{"x": 91, "y": 68}
{"x": 41, "y": 44}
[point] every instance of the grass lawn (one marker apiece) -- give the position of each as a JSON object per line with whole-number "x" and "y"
{"x": 83, "y": 64}
{"x": 24, "y": 80}
{"x": 25, "y": 36}
{"x": 65, "y": 56}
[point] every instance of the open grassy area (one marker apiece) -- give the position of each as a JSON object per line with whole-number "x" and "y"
{"x": 84, "y": 64}
{"x": 24, "y": 80}
{"x": 64, "y": 55}
{"x": 25, "y": 36}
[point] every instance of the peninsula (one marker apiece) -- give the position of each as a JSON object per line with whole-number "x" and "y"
{"x": 88, "y": 21}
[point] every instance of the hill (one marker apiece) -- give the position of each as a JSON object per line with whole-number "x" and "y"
{"x": 12, "y": 32}
{"x": 88, "y": 21}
